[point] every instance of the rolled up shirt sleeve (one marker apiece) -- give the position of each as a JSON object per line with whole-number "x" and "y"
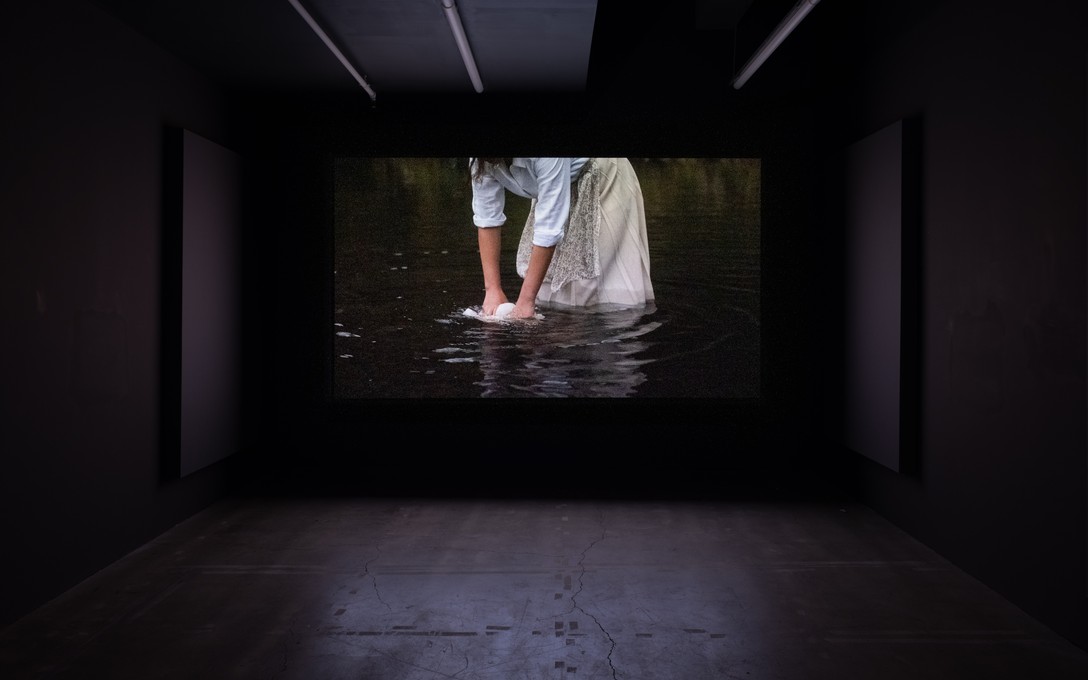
{"x": 553, "y": 200}
{"x": 488, "y": 202}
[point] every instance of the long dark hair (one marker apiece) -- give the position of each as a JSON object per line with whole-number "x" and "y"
{"x": 483, "y": 164}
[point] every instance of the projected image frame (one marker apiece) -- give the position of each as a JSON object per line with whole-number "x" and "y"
{"x": 401, "y": 285}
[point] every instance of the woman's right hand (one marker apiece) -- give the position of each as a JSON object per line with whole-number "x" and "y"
{"x": 492, "y": 299}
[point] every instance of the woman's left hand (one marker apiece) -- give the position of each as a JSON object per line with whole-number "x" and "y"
{"x": 522, "y": 310}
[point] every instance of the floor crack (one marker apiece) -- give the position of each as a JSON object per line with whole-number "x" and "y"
{"x": 574, "y": 597}
{"x": 374, "y": 579}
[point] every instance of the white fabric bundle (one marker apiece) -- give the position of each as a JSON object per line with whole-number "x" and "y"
{"x": 501, "y": 312}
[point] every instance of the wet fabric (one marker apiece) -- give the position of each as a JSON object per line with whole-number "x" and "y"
{"x": 604, "y": 257}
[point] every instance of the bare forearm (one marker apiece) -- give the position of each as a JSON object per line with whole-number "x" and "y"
{"x": 490, "y": 240}
{"x": 539, "y": 260}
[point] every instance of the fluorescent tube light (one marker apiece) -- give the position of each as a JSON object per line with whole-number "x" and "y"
{"x": 802, "y": 8}
{"x": 332, "y": 47}
{"x": 458, "y": 29}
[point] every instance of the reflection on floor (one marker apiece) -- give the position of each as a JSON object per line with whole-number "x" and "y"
{"x": 402, "y": 588}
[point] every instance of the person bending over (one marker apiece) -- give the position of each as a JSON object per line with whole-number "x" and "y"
{"x": 584, "y": 243}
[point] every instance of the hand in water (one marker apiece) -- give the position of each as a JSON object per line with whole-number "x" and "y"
{"x": 492, "y": 300}
{"x": 522, "y": 310}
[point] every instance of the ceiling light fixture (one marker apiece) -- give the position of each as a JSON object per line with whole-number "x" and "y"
{"x": 799, "y": 11}
{"x": 332, "y": 47}
{"x": 452, "y": 15}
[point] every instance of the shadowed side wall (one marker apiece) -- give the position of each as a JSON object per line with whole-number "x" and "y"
{"x": 81, "y": 310}
{"x": 1000, "y": 482}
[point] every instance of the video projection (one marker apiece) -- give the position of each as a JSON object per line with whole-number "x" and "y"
{"x": 408, "y": 285}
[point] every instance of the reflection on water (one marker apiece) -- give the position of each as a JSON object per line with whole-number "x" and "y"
{"x": 407, "y": 268}
{"x": 567, "y": 353}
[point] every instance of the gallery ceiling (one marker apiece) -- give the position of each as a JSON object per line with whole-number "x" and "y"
{"x": 410, "y": 46}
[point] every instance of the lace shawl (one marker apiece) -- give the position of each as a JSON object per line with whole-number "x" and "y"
{"x": 576, "y": 255}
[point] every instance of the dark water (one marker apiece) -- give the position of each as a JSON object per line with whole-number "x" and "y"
{"x": 407, "y": 268}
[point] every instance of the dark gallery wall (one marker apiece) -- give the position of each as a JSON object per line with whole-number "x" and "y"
{"x": 82, "y": 477}
{"x": 414, "y": 446}
{"x": 676, "y": 104}
{"x": 998, "y": 483}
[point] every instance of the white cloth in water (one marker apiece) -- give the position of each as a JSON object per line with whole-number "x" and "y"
{"x": 501, "y": 312}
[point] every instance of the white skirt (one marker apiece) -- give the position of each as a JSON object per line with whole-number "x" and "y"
{"x": 603, "y": 259}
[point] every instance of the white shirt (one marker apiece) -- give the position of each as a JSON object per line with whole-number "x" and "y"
{"x": 548, "y": 180}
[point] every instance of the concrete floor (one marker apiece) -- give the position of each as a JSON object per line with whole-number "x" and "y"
{"x": 405, "y": 589}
